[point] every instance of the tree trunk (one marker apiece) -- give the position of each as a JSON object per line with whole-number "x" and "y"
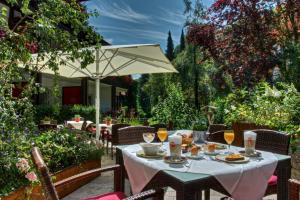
{"x": 196, "y": 80}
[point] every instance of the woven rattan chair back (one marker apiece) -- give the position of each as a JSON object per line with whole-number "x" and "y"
{"x": 133, "y": 134}
{"x": 272, "y": 141}
{"x": 158, "y": 126}
{"x": 239, "y": 128}
{"x": 217, "y": 136}
{"x": 216, "y": 127}
{"x": 294, "y": 189}
{"x": 45, "y": 178}
{"x": 114, "y": 132}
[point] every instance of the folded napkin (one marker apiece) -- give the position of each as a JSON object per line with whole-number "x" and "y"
{"x": 187, "y": 133}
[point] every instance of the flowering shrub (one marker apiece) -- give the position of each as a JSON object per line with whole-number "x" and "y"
{"x": 175, "y": 109}
{"x": 67, "y": 147}
{"x": 275, "y": 106}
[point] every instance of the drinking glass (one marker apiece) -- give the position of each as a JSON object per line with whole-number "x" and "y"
{"x": 249, "y": 142}
{"x": 148, "y": 137}
{"x": 162, "y": 134}
{"x": 229, "y": 137}
{"x": 175, "y": 142}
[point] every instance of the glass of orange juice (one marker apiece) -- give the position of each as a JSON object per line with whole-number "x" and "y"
{"x": 162, "y": 134}
{"x": 229, "y": 137}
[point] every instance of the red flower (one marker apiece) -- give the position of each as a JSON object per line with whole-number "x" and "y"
{"x": 32, "y": 47}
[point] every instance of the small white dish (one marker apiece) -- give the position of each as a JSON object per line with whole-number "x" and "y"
{"x": 197, "y": 157}
{"x": 214, "y": 153}
{"x": 150, "y": 149}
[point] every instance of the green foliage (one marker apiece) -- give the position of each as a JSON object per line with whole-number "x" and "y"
{"x": 60, "y": 150}
{"x": 68, "y": 148}
{"x": 65, "y": 112}
{"x": 182, "y": 41}
{"x": 290, "y": 67}
{"x": 170, "y": 47}
{"x": 155, "y": 87}
{"x": 195, "y": 78}
{"x": 174, "y": 108}
{"x": 273, "y": 106}
{"x": 142, "y": 98}
{"x": 46, "y": 27}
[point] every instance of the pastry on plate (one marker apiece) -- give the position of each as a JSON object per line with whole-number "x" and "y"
{"x": 194, "y": 150}
{"x": 234, "y": 157}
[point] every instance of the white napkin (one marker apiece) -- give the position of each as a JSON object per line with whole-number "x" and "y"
{"x": 188, "y": 133}
{"x": 243, "y": 181}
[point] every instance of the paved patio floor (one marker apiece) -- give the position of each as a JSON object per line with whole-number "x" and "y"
{"x": 104, "y": 184}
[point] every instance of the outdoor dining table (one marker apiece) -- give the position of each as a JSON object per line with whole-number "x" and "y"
{"x": 78, "y": 125}
{"x": 188, "y": 185}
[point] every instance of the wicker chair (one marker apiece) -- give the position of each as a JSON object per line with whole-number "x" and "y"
{"x": 216, "y": 127}
{"x": 50, "y": 188}
{"x": 133, "y": 134}
{"x": 275, "y": 142}
{"x": 114, "y": 138}
{"x": 217, "y": 136}
{"x": 91, "y": 128}
{"x": 294, "y": 189}
{"x": 239, "y": 128}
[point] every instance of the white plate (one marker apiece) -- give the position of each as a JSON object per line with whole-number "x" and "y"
{"x": 211, "y": 153}
{"x": 198, "y": 157}
{"x": 222, "y": 158}
{"x": 169, "y": 160}
{"x": 142, "y": 154}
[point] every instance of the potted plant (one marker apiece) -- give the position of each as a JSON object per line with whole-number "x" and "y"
{"x": 77, "y": 118}
{"x": 46, "y": 120}
{"x": 108, "y": 120}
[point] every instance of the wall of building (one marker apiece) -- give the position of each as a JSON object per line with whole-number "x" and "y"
{"x": 105, "y": 95}
{"x": 47, "y": 81}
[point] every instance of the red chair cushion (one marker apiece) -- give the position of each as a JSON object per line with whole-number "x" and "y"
{"x": 109, "y": 196}
{"x": 272, "y": 180}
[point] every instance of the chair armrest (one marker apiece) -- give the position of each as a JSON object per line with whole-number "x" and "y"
{"x": 294, "y": 188}
{"x": 158, "y": 193}
{"x": 87, "y": 174}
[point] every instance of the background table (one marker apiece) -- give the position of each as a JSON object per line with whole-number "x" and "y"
{"x": 188, "y": 185}
{"x": 78, "y": 125}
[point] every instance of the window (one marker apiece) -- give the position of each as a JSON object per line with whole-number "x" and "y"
{"x": 71, "y": 95}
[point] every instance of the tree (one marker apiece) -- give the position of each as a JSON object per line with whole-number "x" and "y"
{"x": 195, "y": 15}
{"x": 142, "y": 98}
{"x": 156, "y": 88}
{"x": 182, "y": 41}
{"x": 170, "y": 47}
{"x": 239, "y": 36}
{"x": 173, "y": 109}
{"x": 45, "y": 27}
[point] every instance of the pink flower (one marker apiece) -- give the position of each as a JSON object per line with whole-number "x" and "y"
{"x": 23, "y": 165}
{"x": 31, "y": 176}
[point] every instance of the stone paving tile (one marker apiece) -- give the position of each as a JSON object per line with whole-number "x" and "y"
{"x": 104, "y": 184}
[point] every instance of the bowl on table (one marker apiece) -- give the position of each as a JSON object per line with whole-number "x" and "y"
{"x": 150, "y": 149}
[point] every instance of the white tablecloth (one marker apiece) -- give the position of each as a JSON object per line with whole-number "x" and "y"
{"x": 77, "y": 125}
{"x": 243, "y": 181}
{"x": 104, "y": 125}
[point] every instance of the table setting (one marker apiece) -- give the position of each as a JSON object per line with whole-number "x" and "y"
{"x": 237, "y": 169}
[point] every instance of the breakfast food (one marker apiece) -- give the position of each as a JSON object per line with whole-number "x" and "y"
{"x": 187, "y": 139}
{"x": 234, "y": 157}
{"x": 194, "y": 150}
{"x": 211, "y": 147}
{"x": 184, "y": 146}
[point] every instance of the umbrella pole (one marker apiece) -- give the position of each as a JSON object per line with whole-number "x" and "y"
{"x": 97, "y": 96}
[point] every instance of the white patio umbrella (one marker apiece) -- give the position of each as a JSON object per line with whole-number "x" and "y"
{"x": 116, "y": 60}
